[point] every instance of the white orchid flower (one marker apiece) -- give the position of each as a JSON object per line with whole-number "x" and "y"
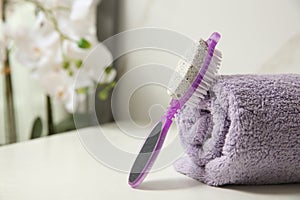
{"x": 81, "y": 9}
{"x": 60, "y": 85}
{"x": 95, "y": 66}
{"x": 78, "y": 28}
{"x": 71, "y": 48}
{"x": 42, "y": 25}
{"x": 56, "y": 4}
{"x": 33, "y": 50}
{"x": 36, "y": 46}
{"x": 55, "y": 46}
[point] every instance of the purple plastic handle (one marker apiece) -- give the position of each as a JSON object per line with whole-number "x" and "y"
{"x": 166, "y": 120}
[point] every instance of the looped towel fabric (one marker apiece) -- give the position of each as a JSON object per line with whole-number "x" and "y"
{"x": 246, "y": 131}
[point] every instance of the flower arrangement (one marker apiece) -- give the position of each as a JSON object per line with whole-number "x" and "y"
{"x": 55, "y": 45}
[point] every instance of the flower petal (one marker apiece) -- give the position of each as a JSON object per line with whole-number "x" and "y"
{"x": 80, "y": 9}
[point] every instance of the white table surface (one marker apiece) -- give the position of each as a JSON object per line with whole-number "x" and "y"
{"x": 59, "y": 167}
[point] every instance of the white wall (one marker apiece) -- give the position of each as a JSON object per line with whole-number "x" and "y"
{"x": 257, "y": 37}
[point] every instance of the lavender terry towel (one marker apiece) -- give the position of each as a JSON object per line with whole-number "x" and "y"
{"x": 247, "y": 131}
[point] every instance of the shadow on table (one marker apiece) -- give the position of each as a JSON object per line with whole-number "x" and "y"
{"x": 169, "y": 184}
{"x": 291, "y": 189}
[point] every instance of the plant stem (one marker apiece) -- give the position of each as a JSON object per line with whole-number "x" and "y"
{"x": 10, "y": 119}
{"x": 50, "y": 124}
{"x": 50, "y": 16}
{"x": 10, "y": 123}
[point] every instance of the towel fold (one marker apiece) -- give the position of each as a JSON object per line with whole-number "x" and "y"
{"x": 246, "y": 131}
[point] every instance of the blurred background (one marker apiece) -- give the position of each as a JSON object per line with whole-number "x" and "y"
{"x": 257, "y": 37}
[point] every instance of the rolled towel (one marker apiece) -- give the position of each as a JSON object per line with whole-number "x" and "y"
{"x": 246, "y": 131}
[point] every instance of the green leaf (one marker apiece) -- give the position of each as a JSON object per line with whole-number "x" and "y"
{"x": 78, "y": 63}
{"x": 37, "y": 128}
{"x": 66, "y": 64}
{"x": 83, "y": 43}
{"x": 102, "y": 95}
{"x": 112, "y": 84}
{"x": 108, "y": 69}
{"x": 83, "y": 90}
{"x": 70, "y": 72}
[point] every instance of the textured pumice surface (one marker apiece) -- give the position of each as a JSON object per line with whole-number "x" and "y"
{"x": 246, "y": 131}
{"x": 187, "y": 70}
